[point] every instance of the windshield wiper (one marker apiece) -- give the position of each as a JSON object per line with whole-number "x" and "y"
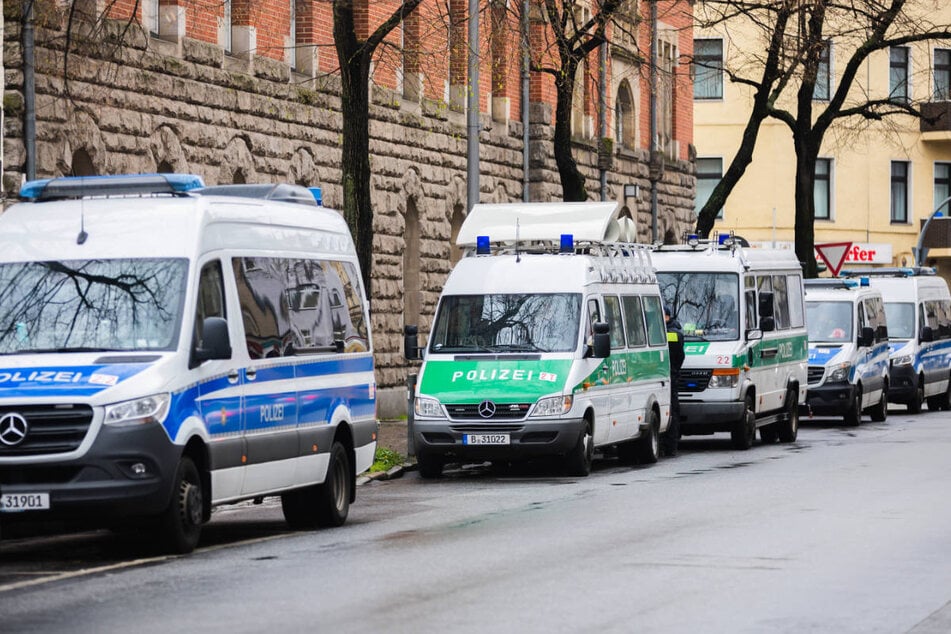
{"x": 695, "y": 338}
{"x": 519, "y": 347}
{"x": 64, "y": 349}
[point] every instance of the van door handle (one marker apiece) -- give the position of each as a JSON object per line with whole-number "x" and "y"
{"x": 768, "y": 353}
{"x": 233, "y": 376}
{"x": 250, "y": 373}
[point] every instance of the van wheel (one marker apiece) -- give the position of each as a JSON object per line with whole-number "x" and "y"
{"x": 181, "y": 521}
{"x": 578, "y": 463}
{"x": 326, "y": 504}
{"x": 744, "y": 430}
{"x": 788, "y": 430}
{"x": 914, "y": 405}
{"x": 946, "y": 399}
{"x": 880, "y": 412}
{"x": 853, "y": 417}
{"x": 430, "y": 467}
{"x": 648, "y": 445}
{"x": 769, "y": 434}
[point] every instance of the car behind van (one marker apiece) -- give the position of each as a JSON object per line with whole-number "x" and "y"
{"x": 918, "y": 312}
{"x": 745, "y": 337}
{"x": 169, "y": 347}
{"x": 548, "y": 341}
{"x": 848, "y": 350}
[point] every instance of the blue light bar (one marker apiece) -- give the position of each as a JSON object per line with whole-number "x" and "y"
{"x": 318, "y": 196}
{"x": 482, "y": 245}
{"x": 117, "y": 185}
{"x": 567, "y": 243}
{"x": 865, "y": 281}
{"x": 723, "y": 237}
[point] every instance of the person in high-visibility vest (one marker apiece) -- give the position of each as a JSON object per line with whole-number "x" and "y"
{"x": 675, "y": 343}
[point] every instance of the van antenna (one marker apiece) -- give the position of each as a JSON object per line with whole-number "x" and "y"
{"x": 81, "y": 238}
{"x": 518, "y": 257}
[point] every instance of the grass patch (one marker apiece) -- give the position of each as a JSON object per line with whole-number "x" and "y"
{"x": 385, "y": 459}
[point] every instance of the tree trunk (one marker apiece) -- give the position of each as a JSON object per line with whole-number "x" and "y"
{"x": 807, "y": 150}
{"x": 572, "y": 181}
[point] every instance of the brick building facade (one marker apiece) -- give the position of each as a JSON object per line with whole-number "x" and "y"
{"x": 243, "y": 91}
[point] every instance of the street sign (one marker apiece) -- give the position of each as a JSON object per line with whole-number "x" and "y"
{"x": 834, "y": 255}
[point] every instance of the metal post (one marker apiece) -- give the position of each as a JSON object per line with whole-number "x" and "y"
{"x": 603, "y": 117}
{"x": 526, "y": 101}
{"x": 410, "y": 413}
{"x": 653, "y": 171}
{"x": 472, "y": 114}
{"x": 921, "y": 251}
{"x": 29, "y": 91}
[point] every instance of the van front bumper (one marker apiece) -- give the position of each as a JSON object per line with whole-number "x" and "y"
{"x": 705, "y": 417}
{"x": 100, "y": 486}
{"x": 902, "y": 384}
{"x": 527, "y": 439}
{"x": 828, "y": 400}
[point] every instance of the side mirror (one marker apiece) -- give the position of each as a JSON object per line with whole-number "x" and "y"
{"x": 927, "y": 334}
{"x": 881, "y": 333}
{"x": 215, "y": 341}
{"x": 866, "y": 337}
{"x": 602, "y": 340}
{"x": 767, "y": 324}
{"x": 754, "y": 334}
{"x": 765, "y": 305}
{"x": 411, "y": 343}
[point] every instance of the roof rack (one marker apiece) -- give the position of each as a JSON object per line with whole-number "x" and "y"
{"x": 281, "y": 192}
{"x": 889, "y": 271}
{"x": 69, "y": 187}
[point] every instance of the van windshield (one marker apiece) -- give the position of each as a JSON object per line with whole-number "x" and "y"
{"x": 91, "y": 305}
{"x": 900, "y": 318}
{"x": 507, "y": 323}
{"x": 705, "y": 304}
{"x": 829, "y": 322}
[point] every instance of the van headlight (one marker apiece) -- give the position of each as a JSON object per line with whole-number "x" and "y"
{"x": 140, "y": 411}
{"x": 724, "y": 377}
{"x": 428, "y": 407}
{"x": 553, "y": 406}
{"x": 839, "y": 373}
{"x": 904, "y": 359}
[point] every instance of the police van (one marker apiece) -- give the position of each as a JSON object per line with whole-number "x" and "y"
{"x": 744, "y": 337}
{"x": 168, "y": 347}
{"x": 918, "y": 312}
{"x": 548, "y": 340}
{"x": 848, "y": 349}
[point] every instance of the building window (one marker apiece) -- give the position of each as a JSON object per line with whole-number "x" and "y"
{"x": 822, "y": 189}
{"x": 942, "y": 74}
{"x": 150, "y": 16}
{"x": 898, "y": 74}
{"x": 899, "y": 208}
{"x": 624, "y": 117}
{"x": 292, "y": 35}
{"x": 708, "y": 69}
{"x": 942, "y": 187}
{"x": 709, "y": 173}
{"x": 224, "y": 32}
{"x": 823, "y": 87}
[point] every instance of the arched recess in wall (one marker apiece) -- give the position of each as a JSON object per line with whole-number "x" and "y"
{"x": 167, "y": 153}
{"x": 669, "y": 227}
{"x": 455, "y": 214}
{"x": 303, "y": 169}
{"x": 412, "y": 237}
{"x": 81, "y": 140}
{"x": 625, "y": 117}
{"x": 237, "y": 165}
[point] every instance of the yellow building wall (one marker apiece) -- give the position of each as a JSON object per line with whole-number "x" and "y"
{"x": 761, "y": 208}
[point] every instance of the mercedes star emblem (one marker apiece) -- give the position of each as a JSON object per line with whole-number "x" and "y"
{"x": 486, "y": 409}
{"x": 13, "y": 429}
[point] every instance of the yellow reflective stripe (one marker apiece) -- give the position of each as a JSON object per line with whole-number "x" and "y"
{"x": 672, "y": 336}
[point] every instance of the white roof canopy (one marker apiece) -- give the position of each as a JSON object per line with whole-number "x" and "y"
{"x": 587, "y": 222}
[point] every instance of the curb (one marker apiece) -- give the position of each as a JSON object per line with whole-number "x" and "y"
{"x": 391, "y": 474}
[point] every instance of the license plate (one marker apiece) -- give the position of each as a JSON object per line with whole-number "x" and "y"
{"x": 17, "y": 502}
{"x": 485, "y": 439}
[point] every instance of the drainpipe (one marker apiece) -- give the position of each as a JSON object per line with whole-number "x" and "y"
{"x": 603, "y": 116}
{"x": 653, "y": 121}
{"x": 29, "y": 90}
{"x": 526, "y": 100}
{"x": 472, "y": 114}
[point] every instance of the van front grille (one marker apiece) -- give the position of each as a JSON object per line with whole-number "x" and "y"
{"x": 481, "y": 411}
{"x": 693, "y": 380}
{"x": 49, "y": 429}
{"x": 815, "y": 374}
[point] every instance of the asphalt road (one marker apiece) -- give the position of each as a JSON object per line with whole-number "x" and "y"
{"x": 847, "y": 530}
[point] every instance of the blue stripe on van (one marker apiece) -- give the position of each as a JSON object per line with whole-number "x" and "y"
{"x": 72, "y": 381}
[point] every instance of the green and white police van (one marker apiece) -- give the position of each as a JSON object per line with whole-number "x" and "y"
{"x": 548, "y": 340}
{"x": 744, "y": 337}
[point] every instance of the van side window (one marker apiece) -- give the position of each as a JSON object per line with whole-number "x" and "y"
{"x": 654, "y": 314}
{"x": 211, "y": 297}
{"x": 863, "y": 322}
{"x": 780, "y": 302}
{"x": 944, "y": 318}
{"x": 613, "y": 309}
{"x": 794, "y": 291}
{"x": 634, "y": 321}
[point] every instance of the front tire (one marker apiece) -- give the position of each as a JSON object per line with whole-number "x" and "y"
{"x": 648, "y": 445}
{"x": 788, "y": 430}
{"x": 429, "y": 467}
{"x": 180, "y": 523}
{"x": 579, "y": 460}
{"x": 853, "y": 417}
{"x": 322, "y": 505}
{"x": 744, "y": 430}
{"x": 879, "y": 412}
{"x": 914, "y": 405}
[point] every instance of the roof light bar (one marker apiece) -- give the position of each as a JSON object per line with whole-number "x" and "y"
{"x": 116, "y": 185}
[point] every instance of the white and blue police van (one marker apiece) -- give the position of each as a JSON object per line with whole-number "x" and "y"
{"x": 918, "y": 311}
{"x": 848, "y": 350}
{"x": 168, "y": 347}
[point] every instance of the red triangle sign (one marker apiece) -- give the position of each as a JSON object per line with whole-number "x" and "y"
{"x": 834, "y": 255}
